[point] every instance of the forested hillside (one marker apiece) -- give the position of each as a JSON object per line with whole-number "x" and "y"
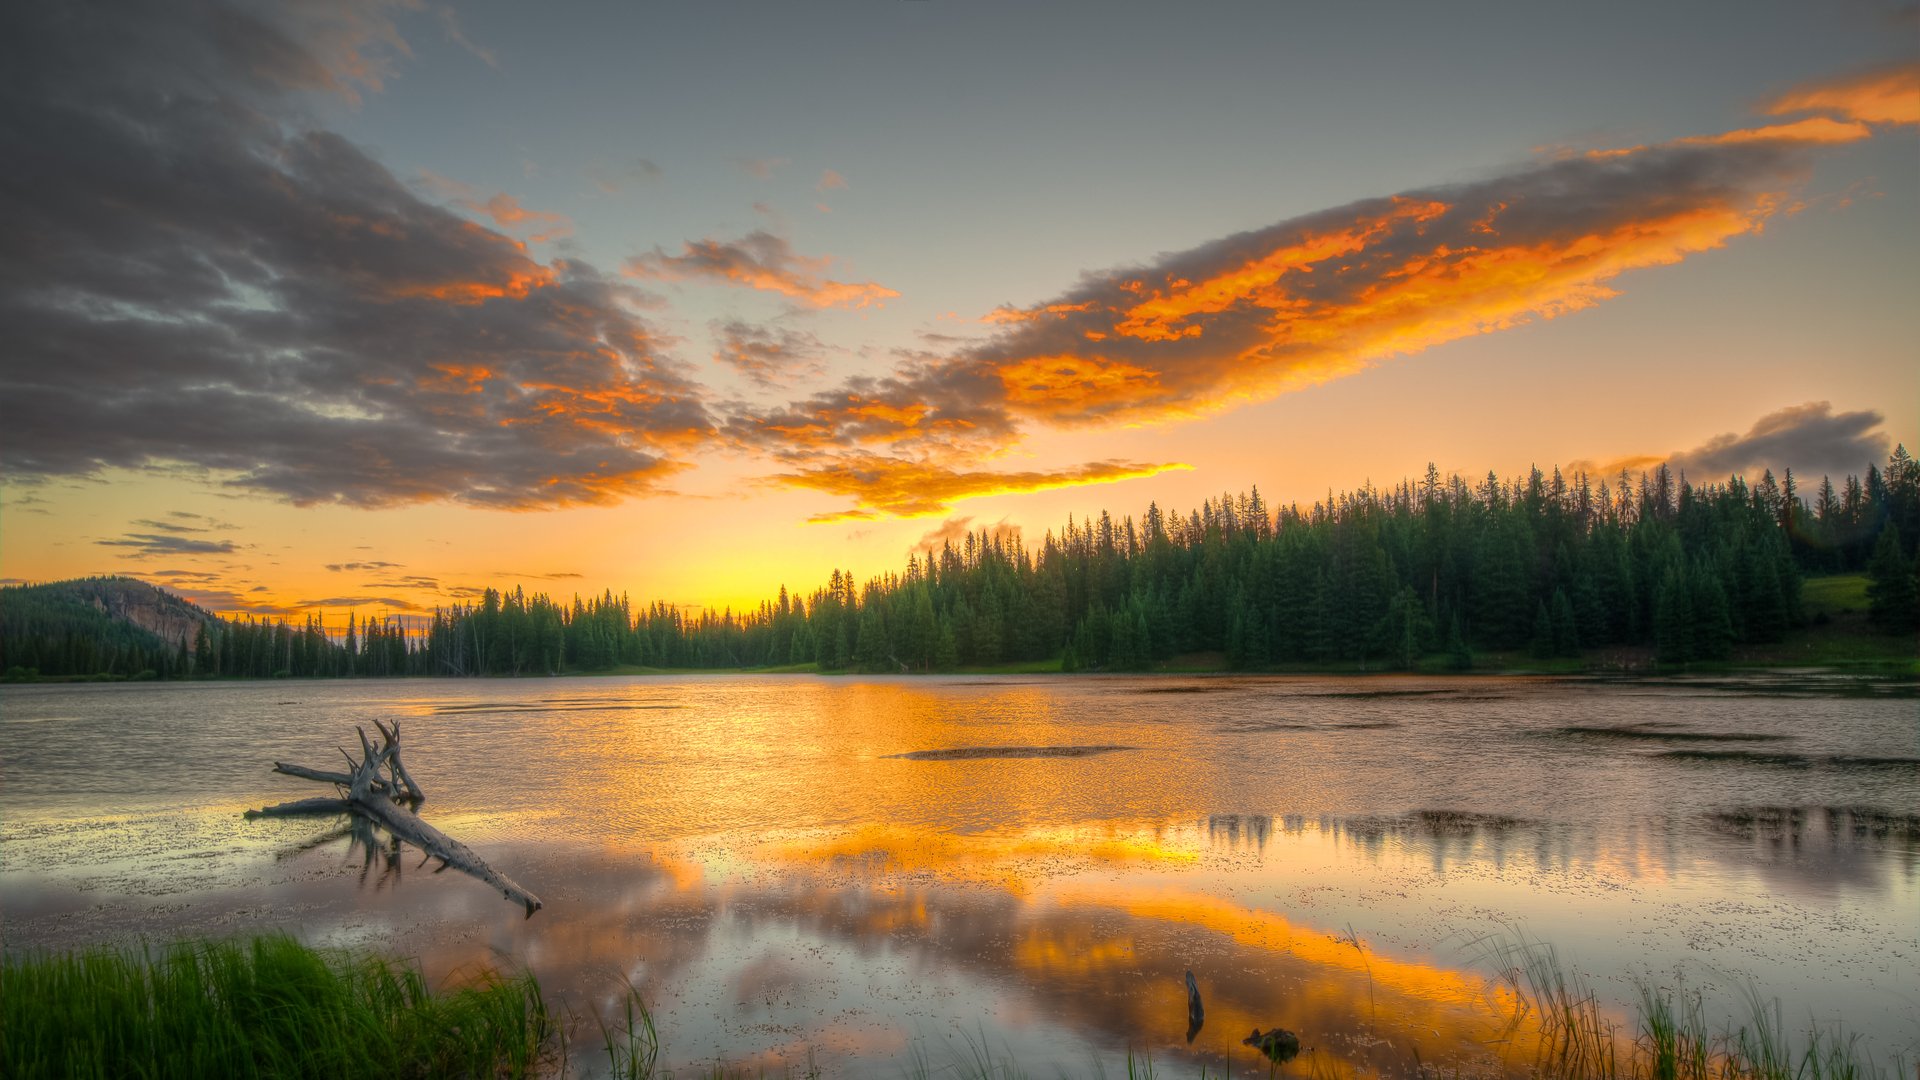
{"x": 115, "y": 625}
{"x": 1432, "y": 572}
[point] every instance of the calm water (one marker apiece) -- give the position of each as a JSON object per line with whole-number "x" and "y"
{"x": 758, "y": 856}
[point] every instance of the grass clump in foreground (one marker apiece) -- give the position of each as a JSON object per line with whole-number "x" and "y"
{"x": 268, "y": 1006}
{"x": 1578, "y": 1040}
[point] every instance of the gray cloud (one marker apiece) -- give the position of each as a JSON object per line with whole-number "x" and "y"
{"x": 768, "y": 355}
{"x": 169, "y": 526}
{"x": 376, "y": 564}
{"x": 758, "y": 260}
{"x": 615, "y": 179}
{"x": 192, "y": 275}
{"x": 1810, "y": 439}
{"x": 144, "y": 545}
{"x": 360, "y": 602}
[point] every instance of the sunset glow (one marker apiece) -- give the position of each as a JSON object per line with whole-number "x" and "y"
{"x": 390, "y": 340}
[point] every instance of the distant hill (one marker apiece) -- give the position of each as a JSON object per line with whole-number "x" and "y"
{"x": 118, "y": 625}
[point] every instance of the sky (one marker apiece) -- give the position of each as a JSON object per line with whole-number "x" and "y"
{"x": 346, "y": 306}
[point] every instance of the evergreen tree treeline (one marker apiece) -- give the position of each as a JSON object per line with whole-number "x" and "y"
{"x": 1371, "y": 577}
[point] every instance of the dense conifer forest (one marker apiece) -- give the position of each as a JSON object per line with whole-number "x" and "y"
{"x": 1427, "y": 574}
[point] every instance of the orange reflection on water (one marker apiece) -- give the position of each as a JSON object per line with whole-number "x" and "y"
{"x": 1019, "y": 864}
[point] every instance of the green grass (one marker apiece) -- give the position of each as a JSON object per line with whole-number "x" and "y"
{"x": 1574, "y": 1038}
{"x": 1835, "y": 594}
{"x": 267, "y": 1007}
{"x": 271, "y": 1007}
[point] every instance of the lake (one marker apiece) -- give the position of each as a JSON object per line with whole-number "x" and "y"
{"x": 866, "y": 873}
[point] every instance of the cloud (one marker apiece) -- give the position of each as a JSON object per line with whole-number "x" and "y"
{"x": 225, "y": 601}
{"x": 614, "y": 179}
{"x": 895, "y": 487}
{"x": 830, "y": 181}
{"x": 502, "y": 209}
{"x": 450, "y": 23}
{"x": 1261, "y": 313}
{"x": 204, "y": 577}
{"x": 168, "y": 526}
{"x": 374, "y": 565}
{"x": 762, "y": 168}
{"x": 1883, "y": 95}
{"x": 759, "y": 260}
{"x": 951, "y": 531}
{"x": 357, "y": 602}
{"x": 768, "y": 355}
{"x": 192, "y": 276}
{"x": 145, "y": 545}
{"x": 558, "y": 575}
{"x": 1810, "y": 439}
{"x": 954, "y": 531}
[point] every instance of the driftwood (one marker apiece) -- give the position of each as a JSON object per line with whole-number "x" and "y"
{"x": 303, "y": 808}
{"x": 389, "y": 802}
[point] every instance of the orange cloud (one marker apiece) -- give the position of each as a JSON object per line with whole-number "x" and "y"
{"x": 1264, "y": 312}
{"x": 515, "y": 283}
{"x": 1884, "y": 95}
{"x": 897, "y": 487}
{"x": 759, "y": 260}
{"x": 502, "y": 209}
{"x": 507, "y": 213}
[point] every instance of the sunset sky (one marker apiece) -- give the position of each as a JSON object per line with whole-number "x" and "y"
{"x": 365, "y": 306}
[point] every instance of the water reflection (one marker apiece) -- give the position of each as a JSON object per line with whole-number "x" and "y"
{"x": 907, "y": 936}
{"x": 836, "y": 865}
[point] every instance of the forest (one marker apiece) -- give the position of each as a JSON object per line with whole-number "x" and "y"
{"x": 1428, "y": 574}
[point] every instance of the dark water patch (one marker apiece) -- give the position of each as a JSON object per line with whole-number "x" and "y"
{"x": 1180, "y": 689}
{"x": 1780, "y": 684}
{"x": 486, "y": 708}
{"x": 1793, "y": 761}
{"x": 1257, "y": 727}
{"x": 977, "y": 753}
{"x": 1439, "y": 691}
{"x": 1667, "y": 733}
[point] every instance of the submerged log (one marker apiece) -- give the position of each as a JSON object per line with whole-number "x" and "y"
{"x": 303, "y": 808}
{"x": 388, "y": 802}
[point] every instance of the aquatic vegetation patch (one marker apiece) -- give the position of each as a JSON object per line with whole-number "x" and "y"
{"x": 977, "y": 753}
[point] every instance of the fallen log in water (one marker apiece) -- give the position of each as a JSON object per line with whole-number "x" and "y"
{"x": 388, "y": 802}
{"x": 303, "y": 808}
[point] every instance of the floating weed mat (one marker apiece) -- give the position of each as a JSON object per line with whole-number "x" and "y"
{"x": 267, "y": 1007}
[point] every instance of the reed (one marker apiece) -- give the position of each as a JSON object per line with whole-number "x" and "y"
{"x": 268, "y": 1007}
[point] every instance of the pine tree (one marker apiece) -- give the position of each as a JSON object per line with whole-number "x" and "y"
{"x": 1566, "y": 633}
{"x": 1540, "y": 645}
{"x": 1891, "y": 591}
